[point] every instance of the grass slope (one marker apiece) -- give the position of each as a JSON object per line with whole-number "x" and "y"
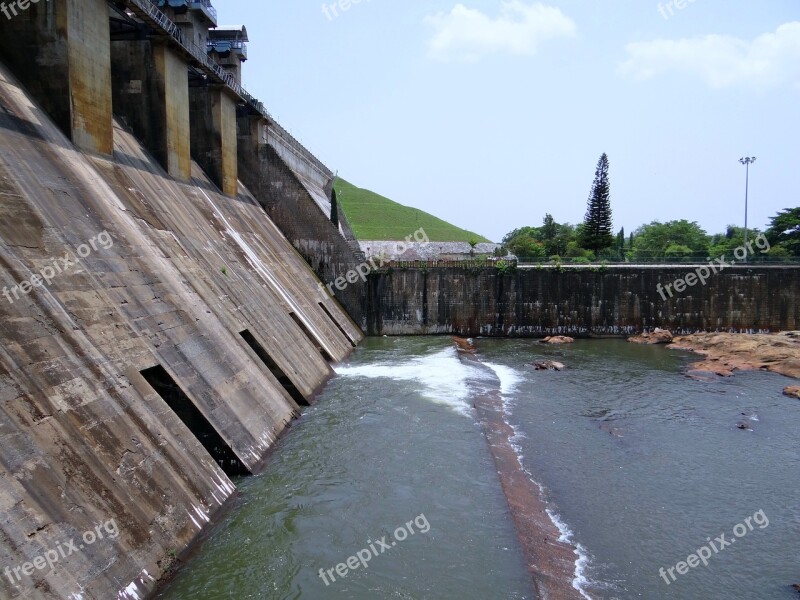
{"x": 374, "y": 217}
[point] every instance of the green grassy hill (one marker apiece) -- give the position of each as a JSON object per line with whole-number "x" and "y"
{"x": 374, "y": 217}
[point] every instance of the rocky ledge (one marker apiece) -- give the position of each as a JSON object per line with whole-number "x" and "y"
{"x": 558, "y": 339}
{"x": 659, "y": 336}
{"x": 792, "y": 391}
{"x": 725, "y": 353}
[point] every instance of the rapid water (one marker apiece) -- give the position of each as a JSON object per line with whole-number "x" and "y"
{"x": 641, "y": 465}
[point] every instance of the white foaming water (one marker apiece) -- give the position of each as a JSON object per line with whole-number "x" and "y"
{"x": 509, "y": 379}
{"x": 441, "y": 377}
{"x": 583, "y": 556}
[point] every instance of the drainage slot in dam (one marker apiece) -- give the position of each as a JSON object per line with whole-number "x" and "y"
{"x": 335, "y": 322}
{"x": 276, "y": 371}
{"x": 311, "y": 338}
{"x": 163, "y": 383}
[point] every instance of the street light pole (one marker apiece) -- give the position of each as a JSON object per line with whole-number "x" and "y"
{"x": 747, "y": 161}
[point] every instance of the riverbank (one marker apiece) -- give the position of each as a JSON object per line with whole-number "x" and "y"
{"x": 725, "y": 353}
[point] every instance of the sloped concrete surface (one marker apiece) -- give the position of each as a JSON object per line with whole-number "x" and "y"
{"x": 84, "y": 439}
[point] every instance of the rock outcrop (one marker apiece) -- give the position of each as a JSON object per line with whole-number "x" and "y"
{"x": 558, "y": 339}
{"x": 726, "y": 353}
{"x": 466, "y": 345}
{"x": 658, "y": 336}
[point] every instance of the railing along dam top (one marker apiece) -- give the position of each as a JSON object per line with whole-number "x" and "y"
{"x": 151, "y": 14}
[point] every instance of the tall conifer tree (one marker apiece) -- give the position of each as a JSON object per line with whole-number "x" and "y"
{"x": 597, "y": 226}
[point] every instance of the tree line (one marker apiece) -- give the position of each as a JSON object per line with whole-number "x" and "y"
{"x": 594, "y": 239}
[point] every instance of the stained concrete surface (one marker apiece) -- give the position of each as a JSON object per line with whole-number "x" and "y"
{"x": 83, "y": 437}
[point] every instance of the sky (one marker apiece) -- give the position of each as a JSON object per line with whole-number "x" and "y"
{"x": 491, "y": 113}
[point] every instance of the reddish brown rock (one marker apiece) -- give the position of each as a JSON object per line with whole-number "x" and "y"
{"x": 792, "y": 391}
{"x": 658, "y": 336}
{"x": 728, "y": 352}
{"x": 465, "y": 345}
{"x": 558, "y": 339}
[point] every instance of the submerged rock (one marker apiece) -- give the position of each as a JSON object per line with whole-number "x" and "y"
{"x": 466, "y": 345}
{"x": 548, "y": 365}
{"x": 658, "y": 336}
{"x": 792, "y": 391}
{"x": 558, "y": 339}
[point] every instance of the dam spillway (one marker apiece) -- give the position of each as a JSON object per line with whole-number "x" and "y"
{"x": 159, "y": 330}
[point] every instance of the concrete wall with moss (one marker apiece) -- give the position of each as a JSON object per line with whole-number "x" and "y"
{"x": 578, "y": 301}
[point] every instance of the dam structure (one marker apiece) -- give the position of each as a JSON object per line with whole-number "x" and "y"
{"x": 579, "y": 301}
{"x": 166, "y": 251}
{"x": 162, "y": 320}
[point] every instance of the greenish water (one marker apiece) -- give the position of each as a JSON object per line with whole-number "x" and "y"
{"x": 639, "y": 462}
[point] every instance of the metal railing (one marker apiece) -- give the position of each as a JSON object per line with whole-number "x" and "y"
{"x": 148, "y": 8}
{"x": 205, "y": 6}
{"x": 451, "y": 263}
{"x": 656, "y": 260}
{"x": 223, "y": 46}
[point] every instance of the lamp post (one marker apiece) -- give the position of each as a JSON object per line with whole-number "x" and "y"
{"x": 746, "y": 161}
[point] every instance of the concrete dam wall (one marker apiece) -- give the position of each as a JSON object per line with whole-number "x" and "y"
{"x": 578, "y": 301}
{"x": 159, "y": 331}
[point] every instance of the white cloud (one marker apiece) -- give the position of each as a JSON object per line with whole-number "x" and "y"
{"x": 770, "y": 60}
{"x": 467, "y": 34}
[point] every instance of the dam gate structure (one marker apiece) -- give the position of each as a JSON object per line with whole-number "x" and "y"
{"x": 141, "y": 373}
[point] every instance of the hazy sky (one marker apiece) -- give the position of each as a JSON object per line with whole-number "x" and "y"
{"x": 490, "y": 113}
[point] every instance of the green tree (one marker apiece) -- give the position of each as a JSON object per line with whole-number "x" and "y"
{"x": 733, "y": 238}
{"x": 551, "y": 239}
{"x": 597, "y": 230}
{"x": 549, "y": 232}
{"x": 334, "y": 209}
{"x": 526, "y": 246}
{"x": 784, "y": 230}
{"x": 652, "y": 241}
{"x": 678, "y": 252}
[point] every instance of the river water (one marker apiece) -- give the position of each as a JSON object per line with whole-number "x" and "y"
{"x": 641, "y": 466}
